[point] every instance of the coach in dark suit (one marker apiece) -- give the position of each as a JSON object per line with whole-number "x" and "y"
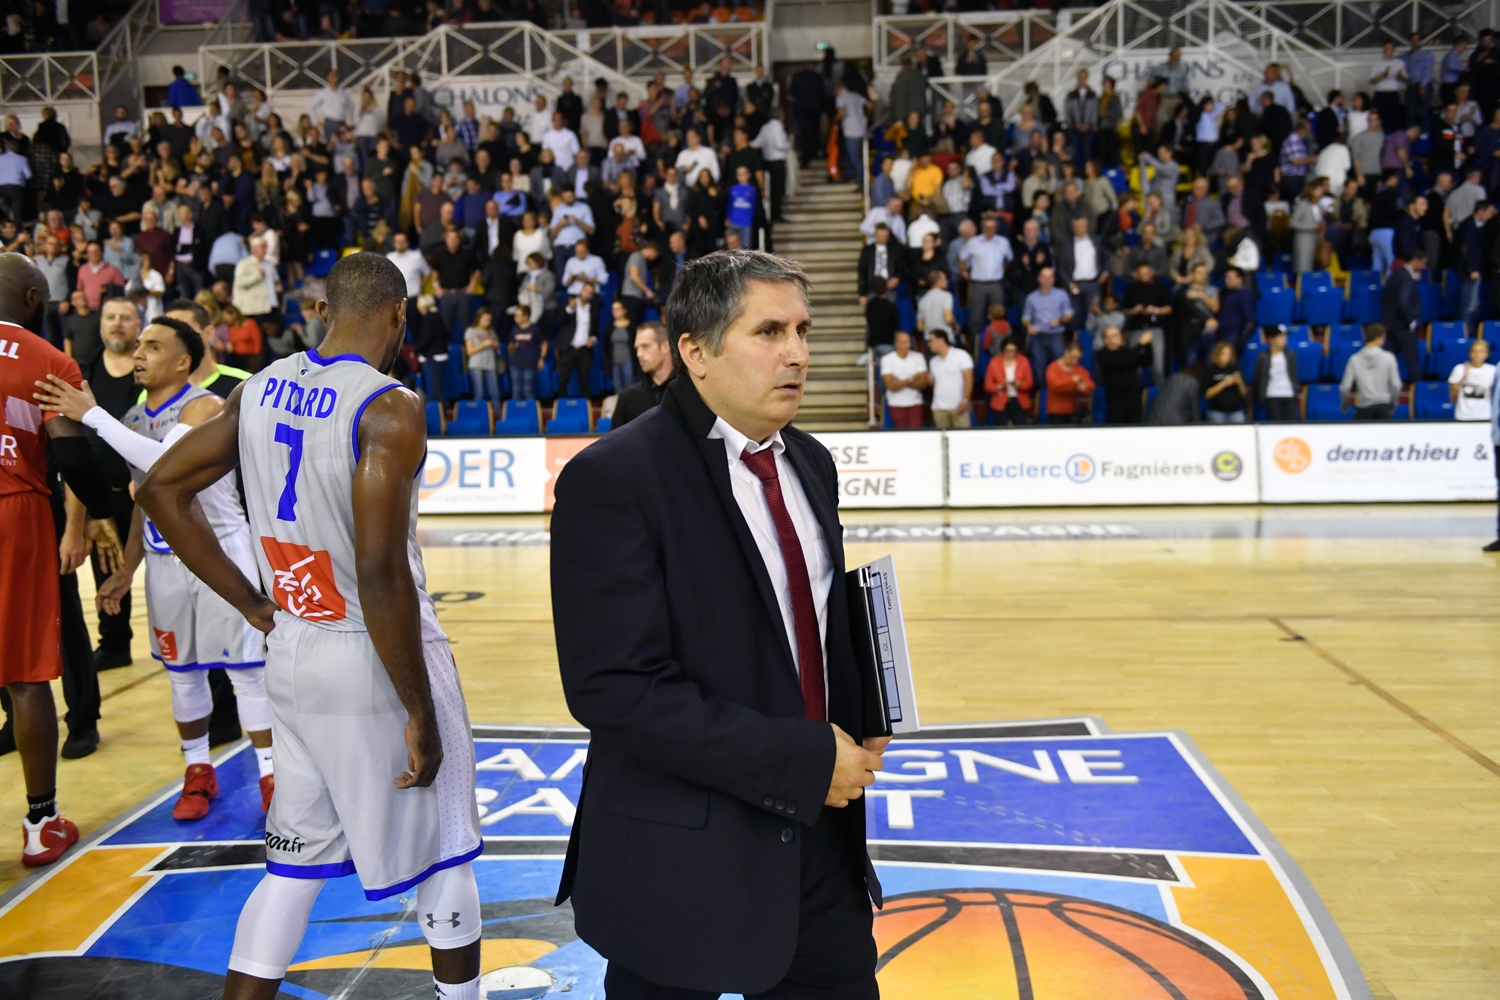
{"x": 1401, "y": 311}
{"x": 702, "y": 634}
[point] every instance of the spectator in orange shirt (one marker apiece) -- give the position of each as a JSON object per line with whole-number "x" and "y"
{"x": 1070, "y": 391}
{"x": 246, "y": 342}
{"x": 1009, "y": 381}
{"x": 997, "y": 332}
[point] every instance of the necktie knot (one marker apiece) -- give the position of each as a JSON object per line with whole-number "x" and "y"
{"x": 762, "y": 463}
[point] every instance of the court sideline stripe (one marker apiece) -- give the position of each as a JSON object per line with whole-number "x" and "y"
{"x": 1401, "y": 706}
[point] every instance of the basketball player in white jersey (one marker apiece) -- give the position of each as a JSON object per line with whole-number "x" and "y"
{"x": 192, "y": 628}
{"x": 374, "y": 760}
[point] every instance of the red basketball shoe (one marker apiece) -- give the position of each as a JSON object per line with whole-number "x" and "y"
{"x": 43, "y": 843}
{"x": 267, "y": 789}
{"x": 199, "y": 787}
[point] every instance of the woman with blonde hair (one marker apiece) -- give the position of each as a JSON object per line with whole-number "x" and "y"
{"x": 1192, "y": 251}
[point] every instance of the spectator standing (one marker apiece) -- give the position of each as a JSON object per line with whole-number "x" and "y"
{"x": 951, "y": 371}
{"x": 1371, "y": 381}
{"x": 1471, "y": 385}
{"x": 15, "y": 172}
{"x": 580, "y": 333}
{"x": 655, "y": 357}
{"x": 982, "y": 262}
{"x": 1418, "y": 63}
{"x": 904, "y": 374}
{"x": 935, "y": 308}
{"x": 1472, "y": 246}
{"x": 1046, "y": 316}
{"x": 1388, "y": 82}
{"x": 743, "y": 196}
{"x": 331, "y": 107}
{"x": 456, "y": 275}
{"x": 1276, "y": 383}
{"x": 850, "y": 109}
{"x": 1401, "y": 311}
{"x": 80, "y": 331}
{"x": 1009, "y": 381}
{"x": 1070, "y": 390}
{"x": 1224, "y": 386}
{"x": 1119, "y": 369}
{"x": 481, "y": 351}
{"x": 1081, "y": 267}
{"x": 247, "y": 342}
{"x": 621, "y": 347}
{"x": 432, "y": 341}
{"x": 95, "y": 277}
{"x": 528, "y": 351}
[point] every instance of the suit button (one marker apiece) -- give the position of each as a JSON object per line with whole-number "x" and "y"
{"x": 791, "y": 809}
{"x": 787, "y": 836}
{"x": 769, "y": 802}
{"x": 780, "y": 804}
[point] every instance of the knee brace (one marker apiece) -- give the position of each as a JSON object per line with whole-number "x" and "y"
{"x": 271, "y": 925}
{"x": 448, "y": 907}
{"x": 191, "y": 698}
{"x": 250, "y": 695}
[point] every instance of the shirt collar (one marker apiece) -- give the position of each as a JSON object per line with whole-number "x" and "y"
{"x": 735, "y": 443}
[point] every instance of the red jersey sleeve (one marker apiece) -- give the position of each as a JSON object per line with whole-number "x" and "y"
{"x": 65, "y": 368}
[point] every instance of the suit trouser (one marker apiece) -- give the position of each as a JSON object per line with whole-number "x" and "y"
{"x": 1403, "y": 344}
{"x": 835, "y": 956}
{"x": 809, "y": 136}
{"x": 982, "y": 295}
{"x": 776, "y": 170}
{"x": 80, "y": 681}
{"x": 569, "y": 359}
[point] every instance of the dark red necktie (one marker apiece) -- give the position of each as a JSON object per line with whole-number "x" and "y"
{"x": 804, "y": 612}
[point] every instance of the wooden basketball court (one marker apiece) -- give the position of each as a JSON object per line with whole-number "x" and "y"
{"x": 1339, "y": 665}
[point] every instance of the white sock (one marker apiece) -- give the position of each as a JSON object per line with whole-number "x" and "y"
{"x": 263, "y": 758}
{"x": 456, "y": 991}
{"x": 196, "y": 751}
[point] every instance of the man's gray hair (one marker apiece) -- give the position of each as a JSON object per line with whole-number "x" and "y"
{"x": 707, "y": 296}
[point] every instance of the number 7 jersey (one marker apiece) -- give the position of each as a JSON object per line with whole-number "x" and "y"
{"x": 299, "y": 445}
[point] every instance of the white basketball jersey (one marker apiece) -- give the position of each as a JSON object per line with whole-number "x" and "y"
{"x": 220, "y": 502}
{"x": 299, "y": 444}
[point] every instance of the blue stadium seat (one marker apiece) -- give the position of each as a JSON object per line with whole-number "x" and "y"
{"x": 1363, "y": 303}
{"x": 1422, "y": 362}
{"x": 519, "y": 416}
{"x": 1309, "y": 354}
{"x": 1364, "y": 276}
{"x": 1117, "y": 177}
{"x": 603, "y": 425}
{"x": 322, "y": 263}
{"x": 1433, "y": 401}
{"x": 1323, "y": 404}
{"x": 1449, "y": 286}
{"x": 1449, "y": 346}
{"x": 1041, "y": 408}
{"x": 1401, "y": 412}
{"x": 1282, "y": 262}
{"x": 1151, "y": 393}
{"x": 1489, "y": 330}
{"x": 571, "y": 416}
{"x": 1099, "y": 405}
{"x": 1268, "y": 277}
{"x": 1345, "y": 341}
{"x": 1322, "y": 305}
{"x": 1309, "y": 280}
{"x": 1275, "y": 306}
{"x": 1253, "y": 347}
{"x": 471, "y": 418}
{"x": 1432, "y": 301}
{"x": 434, "y": 420}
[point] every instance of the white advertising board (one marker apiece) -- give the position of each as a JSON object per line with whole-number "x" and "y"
{"x": 1101, "y": 466}
{"x": 500, "y": 475}
{"x": 888, "y": 469}
{"x": 1384, "y": 461}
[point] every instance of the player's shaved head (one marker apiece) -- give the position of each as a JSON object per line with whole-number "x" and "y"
{"x": 23, "y": 291}
{"x": 363, "y": 284}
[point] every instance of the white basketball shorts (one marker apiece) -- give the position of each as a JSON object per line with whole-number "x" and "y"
{"x": 193, "y": 628}
{"x": 339, "y": 734}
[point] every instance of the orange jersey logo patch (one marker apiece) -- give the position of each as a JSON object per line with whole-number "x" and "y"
{"x": 167, "y": 642}
{"x": 304, "y": 581}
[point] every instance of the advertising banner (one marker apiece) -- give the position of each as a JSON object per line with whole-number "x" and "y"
{"x": 194, "y": 11}
{"x": 491, "y": 95}
{"x": 887, "y": 469}
{"x": 1100, "y": 466}
{"x": 484, "y": 476}
{"x": 1384, "y": 461}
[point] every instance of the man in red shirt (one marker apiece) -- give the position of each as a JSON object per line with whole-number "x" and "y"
{"x": 31, "y": 655}
{"x": 1070, "y": 391}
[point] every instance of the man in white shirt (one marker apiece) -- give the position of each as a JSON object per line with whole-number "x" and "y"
{"x": 584, "y": 269}
{"x": 635, "y": 150}
{"x": 1280, "y": 92}
{"x": 982, "y": 260}
{"x": 1472, "y": 383}
{"x": 540, "y": 121}
{"x": 951, "y": 371}
{"x": 122, "y": 129}
{"x": 850, "y": 109}
{"x": 920, "y": 227}
{"x": 561, "y": 140}
{"x": 414, "y": 268}
{"x": 1334, "y": 162}
{"x": 696, "y": 158}
{"x": 890, "y": 214}
{"x": 774, "y": 145}
{"x": 1388, "y": 83}
{"x": 903, "y": 372}
{"x": 330, "y": 107}
{"x": 572, "y": 220}
{"x": 981, "y": 155}
{"x": 935, "y": 309}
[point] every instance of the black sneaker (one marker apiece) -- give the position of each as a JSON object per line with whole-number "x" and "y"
{"x": 106, "y": 659}
{"x": 1493, "y": 546}
{"x": 81, "y": 743}
{"x": 7, "y": 739}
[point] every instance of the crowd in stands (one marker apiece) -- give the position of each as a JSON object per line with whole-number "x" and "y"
{"x": 535, "y": 243}
{"x": 1188, "y": 260}
{"x": 56, "y": 25}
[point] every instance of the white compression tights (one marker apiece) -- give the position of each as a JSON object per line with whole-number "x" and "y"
{"x": 275, "y": 917}
{"x": 192, "y": 700}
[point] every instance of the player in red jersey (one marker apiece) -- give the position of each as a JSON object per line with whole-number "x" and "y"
{"x": 31, "y": 655}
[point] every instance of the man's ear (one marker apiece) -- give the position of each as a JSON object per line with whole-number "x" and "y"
{"x": 321, "y": 308}
{"x": 693, "y": 355}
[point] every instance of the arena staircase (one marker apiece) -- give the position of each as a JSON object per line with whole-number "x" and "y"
{"x": 821, "y": 232}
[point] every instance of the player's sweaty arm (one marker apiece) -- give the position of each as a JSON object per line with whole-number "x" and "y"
{"x": 392, "y": 441}
{"x": 208, "y": 453}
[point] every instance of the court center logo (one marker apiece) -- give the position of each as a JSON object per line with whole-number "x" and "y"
{"x": 1080, "y": 468}
{"x": 1227, "y": 466}
{"x": 1292, "y": 455}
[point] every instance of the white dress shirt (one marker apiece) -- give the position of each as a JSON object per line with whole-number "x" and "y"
{"x": 894, "y": 223}
{"x": 750, "y": 494}
{"x": 691, "y": 162}
{"x": 564, "y": 145}
{"x": 1085, "y": 260}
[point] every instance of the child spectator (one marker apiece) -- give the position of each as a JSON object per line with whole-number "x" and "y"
{"x": 481, "y": 350}
{"x": 742, "y": 200}
{"x": 528, "y": 353}
{"x": 1471, "y": 384}
{"x": 1371, "y": 380}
